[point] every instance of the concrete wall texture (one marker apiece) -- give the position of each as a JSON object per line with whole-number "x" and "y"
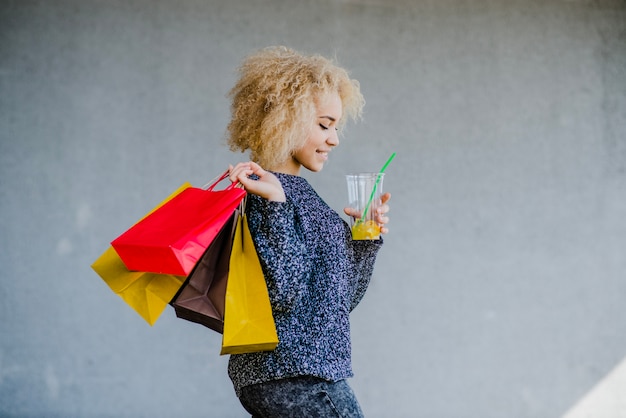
{"x": 500, "y": 290}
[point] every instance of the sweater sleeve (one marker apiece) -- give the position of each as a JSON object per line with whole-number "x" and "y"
{"x": 363, "y": 257}
{"x": 281, "y": 250}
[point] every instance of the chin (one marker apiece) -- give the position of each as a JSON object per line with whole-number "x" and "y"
{"x": 316, "y": 168}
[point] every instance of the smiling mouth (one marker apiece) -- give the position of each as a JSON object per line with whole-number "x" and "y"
{"x": 323, "y": 154}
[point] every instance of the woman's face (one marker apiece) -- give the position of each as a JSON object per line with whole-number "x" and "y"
{"x": 322, "y": 138}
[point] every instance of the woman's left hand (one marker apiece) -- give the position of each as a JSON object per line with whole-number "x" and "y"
{"x": 381, "y": 213}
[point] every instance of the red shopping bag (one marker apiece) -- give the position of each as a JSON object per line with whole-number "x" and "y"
{"x": 173, "y": 238}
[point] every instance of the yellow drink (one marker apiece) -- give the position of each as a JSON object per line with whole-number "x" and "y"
{"x": 365, "y": 230}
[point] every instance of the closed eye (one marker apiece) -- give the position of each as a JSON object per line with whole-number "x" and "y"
{"x": 324, "y": 127}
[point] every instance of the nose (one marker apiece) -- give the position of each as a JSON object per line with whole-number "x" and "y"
{"x": 333, "y": 138}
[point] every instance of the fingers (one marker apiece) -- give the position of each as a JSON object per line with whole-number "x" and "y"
{"x": 235, "y": 171}
{"x": 266, "y": 186}
{"x": 380, "y": 217}
{"x": 242, "y": 171}
{"x": 381, "y": 213}
{"x": 257, "y": 169}
{"x": 352, "y": 212}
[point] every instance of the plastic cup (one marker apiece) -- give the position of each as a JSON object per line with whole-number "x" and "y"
{"x": 360, "y": 187}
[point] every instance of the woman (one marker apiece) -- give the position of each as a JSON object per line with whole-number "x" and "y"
{"x": 287, "y": 110}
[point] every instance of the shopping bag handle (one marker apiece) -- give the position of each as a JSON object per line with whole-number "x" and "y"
{"x": 212, "y": 183}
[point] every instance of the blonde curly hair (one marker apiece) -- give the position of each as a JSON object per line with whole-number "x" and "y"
{"x": 274, "y": 102}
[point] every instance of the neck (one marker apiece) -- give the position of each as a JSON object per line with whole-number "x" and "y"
{"x": 290, "y": 166}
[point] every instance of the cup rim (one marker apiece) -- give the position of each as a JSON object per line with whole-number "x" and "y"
{"x": 365, "y": 174}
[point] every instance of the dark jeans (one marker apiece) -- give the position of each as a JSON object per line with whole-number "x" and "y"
{"x": 301, "y": 397}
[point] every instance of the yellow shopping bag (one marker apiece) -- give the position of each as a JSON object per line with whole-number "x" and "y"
{"x": 248, "y": 321}
{"x": 147, "y": 293}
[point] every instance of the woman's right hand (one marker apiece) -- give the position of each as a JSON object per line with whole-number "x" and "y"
{"x": 267, "y": 186}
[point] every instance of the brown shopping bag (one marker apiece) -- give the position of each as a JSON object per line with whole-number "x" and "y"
{"x": 248, "y": 322}
{"x": 201, "y": 298}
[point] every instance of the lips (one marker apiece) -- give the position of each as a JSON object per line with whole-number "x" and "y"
{"x": 323, "y": 154}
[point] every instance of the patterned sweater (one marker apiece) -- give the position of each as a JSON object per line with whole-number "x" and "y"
{"x": 316, "y": 274}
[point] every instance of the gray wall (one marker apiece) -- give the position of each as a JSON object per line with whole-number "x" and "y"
{"x": 500, "y": 290}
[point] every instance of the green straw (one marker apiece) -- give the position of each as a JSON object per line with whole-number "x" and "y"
{"x": 382, "y": 170}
